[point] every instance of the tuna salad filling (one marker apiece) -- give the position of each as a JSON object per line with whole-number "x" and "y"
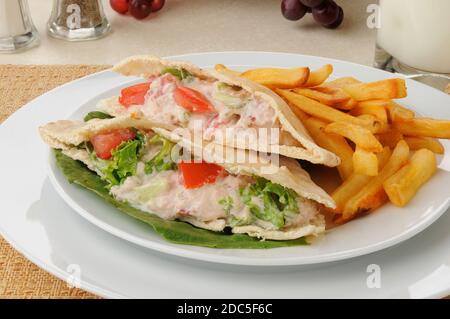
{"x": 215, "y": 108}
{"x": 140, "y": 169}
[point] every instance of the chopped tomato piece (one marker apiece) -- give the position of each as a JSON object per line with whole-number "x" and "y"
{"x": 198, "y": 174}
{"x": 192, "y": 100}
{"x": 134, "y": 95}
{"x": 105, "y": 143}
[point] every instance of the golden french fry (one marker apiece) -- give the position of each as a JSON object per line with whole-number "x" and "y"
{"x": 330, "y": 96}
{"x": 378, "y": 112}
{"x": 403, "y": 185}
{"x": 399, "y": 113}
{"x": 332, "y": 142}
{"x": 356, "y": 182}
{"x": 375, "y": 103}
{"x": 359, "y": 135}
{"x": 417, "y": 142}
{"x": 299, "y": 113}
{"x": 319, "y": 76}
{"x": 423, "y": 127}
{"x": 278, "y": 78}
{"x": 221, "y": 67}
{"x": 390, "y": 137}
{"x": 372, "y": 195}
{"x": 320, "y": 110}
{"x": 341, "y": 82}
{"x": 364, "y": 162}
{"x": 384, "y": 89}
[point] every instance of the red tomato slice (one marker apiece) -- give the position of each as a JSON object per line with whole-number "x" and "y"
{"x": 134, "y": 95}
{"x": 192, "y": 100}
{"x": 198, "y": 174}
{"x": 105, "y": 143}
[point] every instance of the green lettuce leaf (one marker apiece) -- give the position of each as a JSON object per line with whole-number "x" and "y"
{"x": 161, "y": 161}
{"x": 269, "y": 201}
{"x": 179, "y": 73}
{"x": 173, "y": 231}
{"x": 97, "y": 115}
{"x": 122, "y": 164}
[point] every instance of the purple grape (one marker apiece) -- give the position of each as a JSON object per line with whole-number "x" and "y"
{"x": 311, "y": 3}
{"x": 140, "y": 9}
{"x": 327, "y": 13}
{"x": 292, "y": 9}
{"x": 338, "y": 22}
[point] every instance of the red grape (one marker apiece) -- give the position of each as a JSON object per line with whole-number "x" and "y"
{"x": 120, "y": 6}
{"x": 338, "y": 22}
{"x": 327, "y": 13}
{"x": 292, "y": 9}
{"x": 311, "y": 3}
{"x": 140, "y": 9}
{"x": 157, "y": 5}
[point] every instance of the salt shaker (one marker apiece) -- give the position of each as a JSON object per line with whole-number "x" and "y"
{"x": 77, "y": 20}
{"x": 17, "y": 31}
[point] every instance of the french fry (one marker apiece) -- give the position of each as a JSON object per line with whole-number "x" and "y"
{"x": 341, "y": 82}
{"x": 330, "y": 96}
{"x": 423, "y": 127}
{"x": 375, "y": 103}
{"x": 319, "y": 76}
{"x": 372, "y": 195}
{"x": 397, "y": 112}
{"x": 332, "y": 142}
{"x": 364, "y": 162}
{"x": 384, "y": 89}
{"x": 278, "y": 78}
{"x": 221, "y": 67}
{"x": 320, "y": 110}
{"x": 299, "y": 113}
{"x": 378, "y": 112}
{"x": 417, "y": 142}
{"x": 403, "y": 185}
{"x": 390, "y": 137}
{"x": 359, "y": 135}
{"x": 356, "y": 182}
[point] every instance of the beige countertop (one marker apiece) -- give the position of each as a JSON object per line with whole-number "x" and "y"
{"x": 187, "y": 26}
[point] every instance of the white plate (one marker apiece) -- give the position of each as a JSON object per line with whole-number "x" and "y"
{"x": 389, "y": 226}
{"x": 40, "y": 225}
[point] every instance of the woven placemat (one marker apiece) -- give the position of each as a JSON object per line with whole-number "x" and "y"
{"x": 19, "y": 84}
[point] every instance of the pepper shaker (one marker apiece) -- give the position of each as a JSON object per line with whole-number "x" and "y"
{"x": 77, "y": 20}
{"x": 17, "y": 31}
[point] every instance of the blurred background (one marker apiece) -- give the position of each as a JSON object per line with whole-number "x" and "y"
{"x": 187, "y": 26}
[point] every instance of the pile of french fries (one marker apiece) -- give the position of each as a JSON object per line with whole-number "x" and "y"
{"x": 387, "y": 153}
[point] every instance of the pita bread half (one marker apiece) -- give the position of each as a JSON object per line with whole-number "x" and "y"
{"x": 67, "y": 135}
{"x": 306, "y": 149}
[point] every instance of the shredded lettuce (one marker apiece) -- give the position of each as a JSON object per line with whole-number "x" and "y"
{"x": 179, "y": 73}
{"x": 226, "y": 203}
{"x": 162, "y": 160}
{"x": 97, "y": 115}
{"x": 123, "y": 162}
{"x": 269, "y": 201}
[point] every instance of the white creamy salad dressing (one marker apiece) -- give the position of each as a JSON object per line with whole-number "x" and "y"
{"x": 169, "y": 199}
{"x": 160, "y": 106}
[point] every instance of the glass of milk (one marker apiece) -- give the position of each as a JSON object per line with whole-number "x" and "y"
{"x": 414, "y": 36}
{"x": 17, "y": 31}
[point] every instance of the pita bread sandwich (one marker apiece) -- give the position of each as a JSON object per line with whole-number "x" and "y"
{"x": 148, "y": 171}
{"x": 220, "y": 106}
